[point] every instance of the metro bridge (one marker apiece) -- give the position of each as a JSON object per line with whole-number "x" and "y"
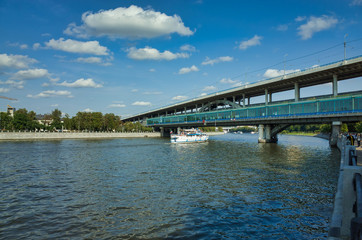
{"x": 229, "y": 107}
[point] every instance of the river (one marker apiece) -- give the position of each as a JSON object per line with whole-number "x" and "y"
{"x": 146, "y": 188}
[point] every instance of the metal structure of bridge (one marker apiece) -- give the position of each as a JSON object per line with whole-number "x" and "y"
{"x": 232, "y": 107}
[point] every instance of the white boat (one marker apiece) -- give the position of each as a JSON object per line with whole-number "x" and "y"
{"x": 189, "y": 135}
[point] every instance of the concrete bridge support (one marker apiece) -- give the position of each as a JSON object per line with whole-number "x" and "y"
{"x": 336, "y": 129}
{"x": 266, "y": 135}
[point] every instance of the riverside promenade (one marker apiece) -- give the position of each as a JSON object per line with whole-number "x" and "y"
{"x": 346, "y": 220}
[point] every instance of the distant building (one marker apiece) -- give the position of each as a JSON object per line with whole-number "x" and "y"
{"x": 11, "y": 111}
{"x": 44, "y": 119}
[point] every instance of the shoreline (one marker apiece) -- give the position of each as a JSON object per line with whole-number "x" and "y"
{"x": 11, "y": 136}
{"x": 15, "y": 136}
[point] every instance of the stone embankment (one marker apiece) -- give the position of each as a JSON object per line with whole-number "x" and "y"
{"x": 72, "y": 135}
{"x": 79, "y": 135}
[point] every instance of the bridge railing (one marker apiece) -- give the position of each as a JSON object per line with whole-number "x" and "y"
{"x": 335, "y": 105}
{"x": 346, "y": 221}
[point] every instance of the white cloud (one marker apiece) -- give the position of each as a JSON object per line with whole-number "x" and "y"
{"x": 31, "y": 74}
{"x": 74, "y": 46}
{"x": 152, "y": 70}
{"x": 316, "y": 24}
{"x": 116, "y": 105}
{"x": 179, "y": 98}
{"x": 203, "y": 94}
{"x": 36, "y": 46}
{"x": 251, "y": 42}
{"x": 271, "y": 73}
{"x": 14, "y": 84}
{"x": 149, "y": 53}
{"x": 88, "y": 110}
{"x": 300, "y": 18}
{"x": 81, "y": 83}
{"x": 228, "y": 81}
{"x": 15, "y": 61}
{"x": 188, "y": 48}
{"x": 185, "y": 70}
{"x": 209, "y": 61}
{"x": 89, "y": 60}
{"x": 4, "y": 90}
{"x": 132, "y": 22}
{"x": 282, "y": 27}
{"x": 134, "y": 90}
{"x": 51, "y": 93}
{"x": 140, "y": 103}
{"x": 21, "y": 46}
{"x": 356, "y": 3}
{"x": 209, "y": 88}
{"x": 55, "y": 105}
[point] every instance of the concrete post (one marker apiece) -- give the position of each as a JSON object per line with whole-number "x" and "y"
{"x": 270, "y": 97}
{"x": 261, "y": 134}
{"x": 243, "y": 99}
{"x": 267, "y": 133}
{"x": 162, "y": 130}
{"x": 336, "y": 129}
{"x": 296, "y": 91}
{"x": 178, "y": 130}
{"x": 266, "y": 96}
{"x": 233, "y": 99}
{"x": 335, "y": 85}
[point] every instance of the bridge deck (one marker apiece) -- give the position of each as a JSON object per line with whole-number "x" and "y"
{"x": 317, "y": 110}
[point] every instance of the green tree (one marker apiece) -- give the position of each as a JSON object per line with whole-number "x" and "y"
{"x": 68, "y": 122}
{"x": 6, "y": 121}
{"x": 344, "y": 128}
{"x": 21, "y": 120}
{"x": 325, "y": 128}
{"x": 111, "y": 122}
{"x": 97, "y": 121}
{"x": 56, "y": 117}
{"x": 358, "y": 127}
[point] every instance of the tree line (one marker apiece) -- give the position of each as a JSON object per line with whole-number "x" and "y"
{"x": 25, "y": 120}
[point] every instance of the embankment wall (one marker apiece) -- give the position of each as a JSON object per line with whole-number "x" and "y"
{"x": 72, "y": 135}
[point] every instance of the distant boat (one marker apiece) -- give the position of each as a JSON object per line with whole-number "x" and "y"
{"x": 188, "y": 136}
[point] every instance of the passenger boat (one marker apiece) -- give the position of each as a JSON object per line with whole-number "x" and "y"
{"x": 188, "y": 136}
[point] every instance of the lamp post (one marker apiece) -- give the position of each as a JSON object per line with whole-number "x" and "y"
{"x": 344, "y": 44}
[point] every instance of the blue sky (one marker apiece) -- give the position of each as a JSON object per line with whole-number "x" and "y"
{"x": 127, "y": 57}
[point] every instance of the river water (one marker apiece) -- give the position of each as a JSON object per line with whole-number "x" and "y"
{"x": 146, "y": 188}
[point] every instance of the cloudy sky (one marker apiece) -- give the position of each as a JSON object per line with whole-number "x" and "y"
{"x": 127, "y": 57}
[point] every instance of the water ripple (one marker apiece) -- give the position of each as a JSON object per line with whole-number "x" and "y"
{"x": 231, "y": 187}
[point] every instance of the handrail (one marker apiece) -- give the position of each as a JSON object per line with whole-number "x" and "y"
{"x": 352, "y": 158}
{"x": 356, "y": 223}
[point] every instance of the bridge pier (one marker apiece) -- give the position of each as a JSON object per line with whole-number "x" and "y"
{"x": 336, "y": 129}
{"x": 265, "y": 134}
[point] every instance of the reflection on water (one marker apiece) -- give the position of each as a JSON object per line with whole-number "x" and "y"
{"x": 229, "y": 187}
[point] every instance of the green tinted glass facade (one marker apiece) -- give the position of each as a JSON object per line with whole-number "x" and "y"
{"x": 337, "y": 105}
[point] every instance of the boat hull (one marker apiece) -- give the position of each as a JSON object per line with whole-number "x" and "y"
{"x": 188, "y": 139}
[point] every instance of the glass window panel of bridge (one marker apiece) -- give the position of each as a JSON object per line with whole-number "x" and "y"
{"x": 342, "y": 105}
{"x": 310, "y": 107}
{"x": 211, "y": 116}
{"x": 224, "y": 115}
{"x": 296, "y": 108}
{"x": 326, "y": 106}
{"x": 242, "y": 113}
{"x": 358, "y": 103}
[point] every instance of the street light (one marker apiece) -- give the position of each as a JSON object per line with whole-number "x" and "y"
{"x": 345, "y": 36}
